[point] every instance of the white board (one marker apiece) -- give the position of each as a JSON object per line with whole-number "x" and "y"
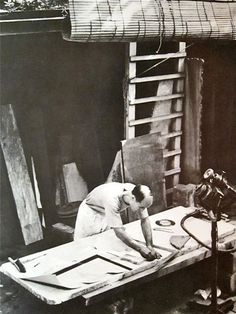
{"x": 76, "y": 187}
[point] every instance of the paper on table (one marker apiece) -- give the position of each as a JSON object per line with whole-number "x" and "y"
{"x": 44, "y": 266}
{"x": 47, "y": 264}
{"x": 53, "y": 280}
{"x": 93, "y": 271}
{"x": 132, "y": 256}
{"x": 69, "y": 282}
{"x": 200, "y": 228}
{"x": 108, "y": 241}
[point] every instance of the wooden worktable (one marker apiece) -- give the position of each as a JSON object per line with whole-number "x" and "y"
{"x": 107, "y": 243}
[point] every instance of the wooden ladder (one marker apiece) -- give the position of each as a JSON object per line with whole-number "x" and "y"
{"x": 172, "y": 152}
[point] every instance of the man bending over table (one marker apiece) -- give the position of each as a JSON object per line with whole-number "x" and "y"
{"x": 101, "y": 210}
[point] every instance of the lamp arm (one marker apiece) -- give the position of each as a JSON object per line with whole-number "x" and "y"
{"x": 194, "y": 214}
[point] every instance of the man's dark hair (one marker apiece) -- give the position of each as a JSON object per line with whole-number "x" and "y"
{"x": 138, "y": 193}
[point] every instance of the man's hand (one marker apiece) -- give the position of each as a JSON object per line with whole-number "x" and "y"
{"x": 154, "y": 252}
{"x": 149, "y": 253}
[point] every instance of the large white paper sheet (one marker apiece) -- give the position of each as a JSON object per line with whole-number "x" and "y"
{"x": 89, "y": 271}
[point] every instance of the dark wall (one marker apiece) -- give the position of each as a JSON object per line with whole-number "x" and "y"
{"x": 68, "y": 102}
{"x": 219, "y": 106}
{"x": 74, "y": 84}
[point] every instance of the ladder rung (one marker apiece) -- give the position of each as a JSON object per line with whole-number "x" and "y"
{"x": 172, "y": 153}
{"x": 154, "y": 119}
{"x": 155, "y": 98}
{"x": 172, "y": 172}
{"x": 156, "y": 78}
{"x": 158, "y": 56}
{"x": 172, "y": 134}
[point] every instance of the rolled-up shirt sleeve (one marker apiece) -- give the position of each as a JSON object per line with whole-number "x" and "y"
{"x": 142, "y": 213}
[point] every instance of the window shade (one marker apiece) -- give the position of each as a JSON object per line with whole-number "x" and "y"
{"x": 139, "y": 20}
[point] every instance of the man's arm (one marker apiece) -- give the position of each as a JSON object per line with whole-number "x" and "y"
{"x": 142, "y": 249}
{"x": 147, "y": 233}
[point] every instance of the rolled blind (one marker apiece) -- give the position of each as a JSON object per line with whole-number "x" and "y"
{"x": 138, "y": 20}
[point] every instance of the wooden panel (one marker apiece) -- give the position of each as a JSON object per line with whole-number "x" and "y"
{"x": 143, "y": 163}
{"x": 115, "y": 174}
{"x": 19, "y": 177}
{"x": 76, "y": 187}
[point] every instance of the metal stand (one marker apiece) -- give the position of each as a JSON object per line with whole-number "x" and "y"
{"x": 214, "y": 255}
{"x": 215, "y": 308}
{"x": 213, "y": 189}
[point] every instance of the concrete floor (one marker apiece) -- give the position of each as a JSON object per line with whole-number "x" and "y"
{"x": 168, "y": 295}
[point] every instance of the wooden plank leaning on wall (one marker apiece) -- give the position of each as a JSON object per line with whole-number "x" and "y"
{"x": 19, "y": 177}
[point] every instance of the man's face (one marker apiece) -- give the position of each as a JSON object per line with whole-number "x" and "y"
{"x": 145, "y": 203}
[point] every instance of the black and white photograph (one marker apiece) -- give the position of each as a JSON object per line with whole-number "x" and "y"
{"x": 118, "y": 156}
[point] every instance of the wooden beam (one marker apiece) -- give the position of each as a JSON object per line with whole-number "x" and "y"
{"x": 172, "y": 134}
{"x": 19, "y": 177}
{"x": 178, "y": 107}
{"x": 152, "y": 119}
{"x": 156, "y": 78}
{"x": 155, "y": 98}
{"x": 172, "y": 172}
{"x": 158, "y": 56}
{"x": 172, "y": 153}
{"x": 31, "y": 26}
{"x": 130, "y": 110}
